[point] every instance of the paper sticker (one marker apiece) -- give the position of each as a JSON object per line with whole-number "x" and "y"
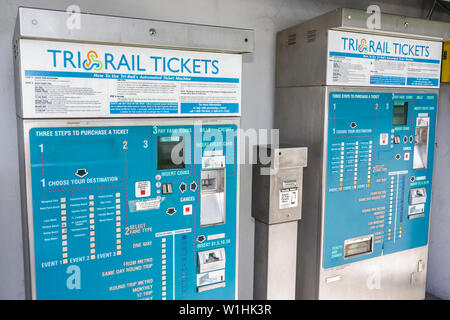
{"x": 147, "y": 204}
{"x": 288, "y": 198}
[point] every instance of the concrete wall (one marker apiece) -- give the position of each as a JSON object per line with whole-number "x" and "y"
{"x": 438, "y": 277}
{"x": 266, "y": 17}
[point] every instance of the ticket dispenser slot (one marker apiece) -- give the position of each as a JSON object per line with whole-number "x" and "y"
{"x": 212, "y": 197}
{"x": 417, "y": 200}
{"x": 211, "y": 269}
{"x": 421, "y": 143}
{"x": 358, "y": 246}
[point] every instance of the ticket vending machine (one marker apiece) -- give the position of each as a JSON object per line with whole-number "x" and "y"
{"x": 129, "y": 157}
{"x": 364, "y": 103}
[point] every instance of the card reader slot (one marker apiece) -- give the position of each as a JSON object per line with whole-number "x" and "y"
{"x": 421, "y": 138}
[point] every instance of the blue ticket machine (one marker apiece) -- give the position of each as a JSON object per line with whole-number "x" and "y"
{"x": 364, "y": 102}
{"x": 129, "y": 157}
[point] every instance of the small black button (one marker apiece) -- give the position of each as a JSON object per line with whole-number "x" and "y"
{"x": 81, "y": 173}
{"x": 183, "y": 187}
{"x": 171, "y": 211}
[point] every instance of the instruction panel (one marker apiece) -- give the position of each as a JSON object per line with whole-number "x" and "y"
{"x": 88, "y": 80}
{"x": 379, "y": 174}
{"x": 372, "y": 60}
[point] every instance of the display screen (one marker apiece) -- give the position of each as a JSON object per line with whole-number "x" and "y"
{"x": 171, "y": 153}
{"x": 400, "y": 117}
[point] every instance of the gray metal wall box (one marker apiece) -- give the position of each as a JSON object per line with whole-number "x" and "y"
{"x": 277, "y": 207}
{"x": 286, "y": 167}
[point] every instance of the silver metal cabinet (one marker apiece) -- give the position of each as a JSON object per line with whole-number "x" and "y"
{"x": 277, "y": 208}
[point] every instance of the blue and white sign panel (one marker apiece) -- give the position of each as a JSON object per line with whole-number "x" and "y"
{"x": 372, "y": 60}
{"x": 85, "y": 80}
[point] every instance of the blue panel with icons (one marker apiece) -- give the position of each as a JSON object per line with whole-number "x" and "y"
{"x": 134, "y": 212}
{"x": 379, "y": 170}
